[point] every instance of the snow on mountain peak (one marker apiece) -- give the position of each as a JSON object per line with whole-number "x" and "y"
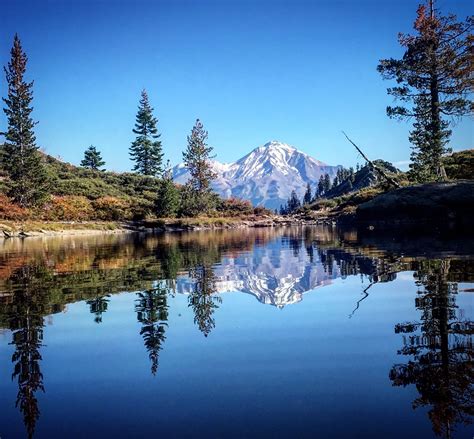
{"x": 267, "y": 175}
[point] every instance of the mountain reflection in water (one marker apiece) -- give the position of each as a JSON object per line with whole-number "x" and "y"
{"x": 42, "y": 277}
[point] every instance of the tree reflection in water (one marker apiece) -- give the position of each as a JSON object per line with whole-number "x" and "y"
{"x": 98, "y": 306}
{"x": 26, "y": 323}
{"x": 441, "y": 350}
{"x": 202, "y": 299}
{"x": 151, "y": 307}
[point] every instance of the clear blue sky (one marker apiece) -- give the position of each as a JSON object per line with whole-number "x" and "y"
{"x": 252, "y": 71}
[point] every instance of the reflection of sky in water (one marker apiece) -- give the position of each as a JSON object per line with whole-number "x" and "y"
{"x": 331, "y": 365}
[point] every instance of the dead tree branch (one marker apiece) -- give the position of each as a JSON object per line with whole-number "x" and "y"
{"x": 379, "y": 171}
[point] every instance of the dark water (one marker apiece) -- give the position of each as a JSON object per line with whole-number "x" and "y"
{"x": 263, "y": 333}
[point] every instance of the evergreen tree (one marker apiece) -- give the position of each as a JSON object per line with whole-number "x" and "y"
{"x": 197, "y": 159}
{"x": 326, "y": 183}
{"x": 307, "y": 196}
{"x": 146, "y": 150}
{"x": 320, "y": 190}
{"x": 293, "y": 202}
{"x": 433, "y": 81}
{"x": 21, "y": 158}
{"x": 351, "y": 174}
{"x": 168, "y": 199}
{"x": 92, "y": 159}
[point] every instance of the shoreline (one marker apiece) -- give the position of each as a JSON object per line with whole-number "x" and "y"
{"x": 13, "y": 229}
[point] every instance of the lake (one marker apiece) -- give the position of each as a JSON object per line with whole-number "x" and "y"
{"x": 253, "y": 333}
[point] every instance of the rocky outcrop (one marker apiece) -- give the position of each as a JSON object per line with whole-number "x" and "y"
{"x": 433, "y": 204}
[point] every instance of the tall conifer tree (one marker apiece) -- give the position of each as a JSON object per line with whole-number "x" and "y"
{"x": 434, "y": 81}
{"x": 146, "y": 149}
{"x": 196, "y": 158}
{"x": 21, "y": 158}
{"x": 307, "y": 196}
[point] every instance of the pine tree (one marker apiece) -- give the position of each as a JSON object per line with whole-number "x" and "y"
{"x": 92, "y": 159}
{"x": 433, "y": 82}
{"x": 21, "y": 158}
{"x": 327, "y": 183}
{"x": 320, "y": 191}
{"x": 146, "y": 150}
{"x": 197, "y": 159}
{"x": 307, "y": 196}
{"x": 168, "y": 199}
{"x": 293, "y": 202}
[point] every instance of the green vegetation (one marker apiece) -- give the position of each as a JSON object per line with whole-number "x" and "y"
{"x": 21, "y": 159}
{"x": 79, "y": 194}
{"x": 92, "y": 159}
{"x": 434, "y": 80}
{"x": 460, "y": 165}
{"x": 146, "y": 150}
{"x": 198, "y": 194}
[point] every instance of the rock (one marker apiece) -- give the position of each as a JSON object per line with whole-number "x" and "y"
{"x": 432, "y": 204}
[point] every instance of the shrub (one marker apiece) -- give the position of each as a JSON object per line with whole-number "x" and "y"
{"x": 234, "y": 207}
{"x": 260, "y": 211}
{"x": 11, "y": 211}
{"x": 111, "y": 209}
{"x": 168, "y": 199}
{"x": 68, "y": 208}
{"x": 325, "y": 204}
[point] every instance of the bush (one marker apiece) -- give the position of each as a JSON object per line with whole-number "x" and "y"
{"x": 111, "y": 209}
{"x": 168, "y": 199}
{"x": 325, "y": 204}
{"x": 460, "y": 165}
{"x": 260, "y": 211}
{"x": 234, "y": 207}
{"x": 11, "y": 211}
{"x": 68, "y": 208}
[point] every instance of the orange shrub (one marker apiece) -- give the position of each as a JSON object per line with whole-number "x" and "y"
{"x": 68, "y": 208}
{"x": 235, "y": 207}
{"x": 11, "y": 211}
{"x": 111, "y": 209}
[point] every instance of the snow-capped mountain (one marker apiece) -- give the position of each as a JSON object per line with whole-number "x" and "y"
{"x": 266, "y": 176}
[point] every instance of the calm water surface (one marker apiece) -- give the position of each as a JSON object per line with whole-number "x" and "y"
{"x": 283, "y": 333}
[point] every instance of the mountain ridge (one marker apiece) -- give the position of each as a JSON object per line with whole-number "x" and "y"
{"x": 266, "y": 175}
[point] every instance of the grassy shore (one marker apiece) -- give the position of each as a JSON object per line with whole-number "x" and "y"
{"x": 44, "y": 228}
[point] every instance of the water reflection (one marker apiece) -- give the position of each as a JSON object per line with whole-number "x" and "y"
{"x": 202, "y": 299}
{"x": 440, "y": 348}
{"x": 26, "y": 322}
{"x": 98, "y": 305}
{"x": 152, "y": 312}
{"x": 277, "y": 266}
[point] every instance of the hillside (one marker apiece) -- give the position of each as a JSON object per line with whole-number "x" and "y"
{"x": 365, "y": 177}
{"x": 79, "y": 194}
